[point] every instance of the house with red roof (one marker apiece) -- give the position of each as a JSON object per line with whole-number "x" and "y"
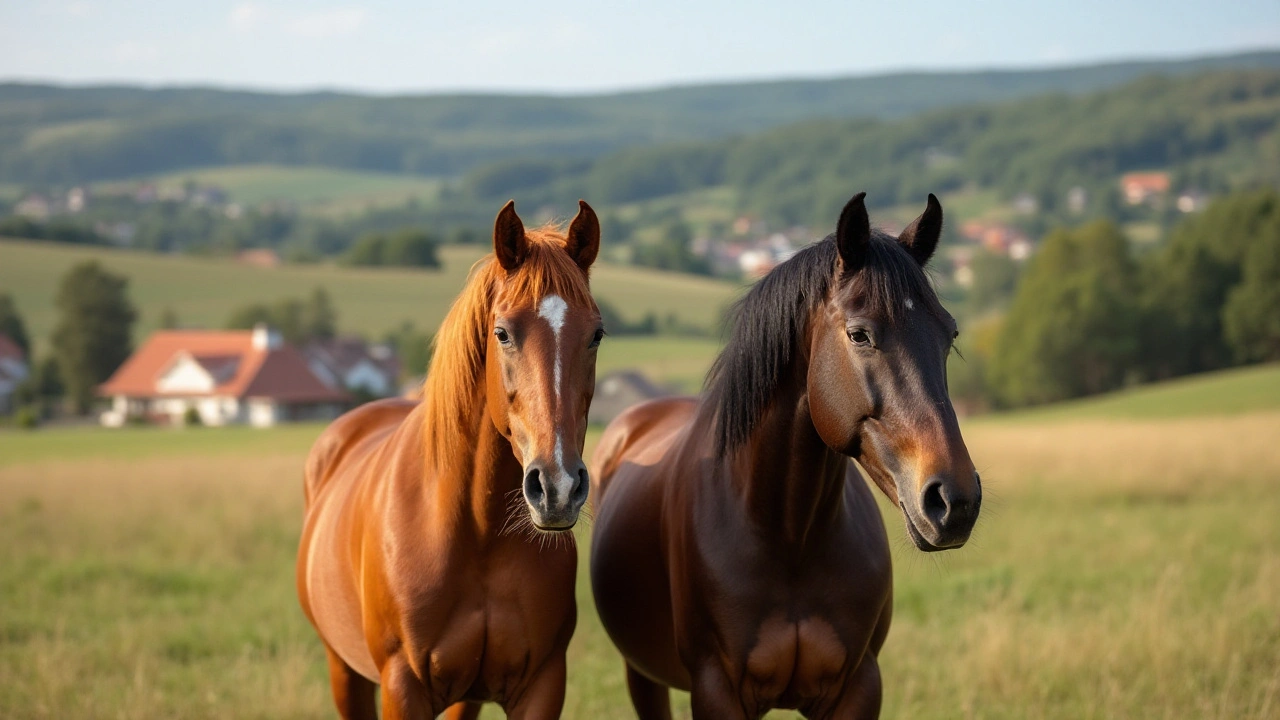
{"x": 13, "y": 370}
{"x": 228, "y": 377}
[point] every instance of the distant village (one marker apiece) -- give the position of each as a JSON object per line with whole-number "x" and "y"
{"x": 750, "y": 250}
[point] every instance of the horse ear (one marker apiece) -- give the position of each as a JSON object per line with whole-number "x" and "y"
{"x": 583, "y": 241}
{"x": 853, "y": 232}
{"x": 509, "y": 242}
{"x": 920, "y": 238}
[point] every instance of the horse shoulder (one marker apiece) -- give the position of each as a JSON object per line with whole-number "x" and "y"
{"x": 642, "y": 434}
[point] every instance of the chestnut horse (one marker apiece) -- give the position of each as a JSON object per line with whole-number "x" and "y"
{"x": 736, "y": 551}
{"x": 420, "y": 566}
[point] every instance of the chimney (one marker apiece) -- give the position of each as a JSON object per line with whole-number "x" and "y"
{"x": 264, "y": 338}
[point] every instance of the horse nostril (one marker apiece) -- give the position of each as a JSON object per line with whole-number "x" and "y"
{"x": 933, "y": 504}
{"x": 579, "y": 494}
{"x": 533, "y": 491}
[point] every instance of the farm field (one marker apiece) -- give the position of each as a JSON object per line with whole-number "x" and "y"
{"x": 202, "y": 292}
{"x": 315, "y": 189}
{"x": 1127, "y": 565}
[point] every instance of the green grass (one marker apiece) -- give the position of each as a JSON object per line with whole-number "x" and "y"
{"x": 369, "y": 301}
{"x": 1225, "y": 392}
{"x": 1122, "y": 568}
{"x": 22, "y": 447}
{"x": 329, "y": 190}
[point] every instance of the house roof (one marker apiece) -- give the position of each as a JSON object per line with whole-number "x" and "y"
{"x": 340, "y": 355}
{"x": 239, "y": 369}
{"x": 10, "y": 349}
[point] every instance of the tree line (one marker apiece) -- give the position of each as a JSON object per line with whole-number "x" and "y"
{"x": 1088, "y": 316}
{"x": 1217, "y": 131}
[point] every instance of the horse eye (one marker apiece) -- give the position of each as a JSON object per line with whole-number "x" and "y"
{"x": 595, "y": 339}
{"x": 503, "y": 337}
{"x": 859, "y": 337}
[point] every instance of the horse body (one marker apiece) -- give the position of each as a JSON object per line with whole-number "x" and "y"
{"x": 455, "y": 599}
{"x": 420, "y": 566}
{"x": 736, "y": 552}
{"x": 760, "y": 617}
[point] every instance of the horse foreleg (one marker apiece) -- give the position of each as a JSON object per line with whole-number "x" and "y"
{"x": 352, "y": 692}
{"x": 651, "y": 700}
{"x": 713, "y": 697}
{"x": 862, "y": 694}
{"x": 543, "y": 697}
{"x": 403, "y": 696}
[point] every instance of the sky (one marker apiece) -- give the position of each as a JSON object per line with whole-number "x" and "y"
{"x": 393, "y": 46}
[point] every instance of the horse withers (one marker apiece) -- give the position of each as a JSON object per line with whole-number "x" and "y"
{"x": 435, "y": 559}
{"x": 736, "y": 551}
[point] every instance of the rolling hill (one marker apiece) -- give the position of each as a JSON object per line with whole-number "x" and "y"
{"x": 51, "y": 134}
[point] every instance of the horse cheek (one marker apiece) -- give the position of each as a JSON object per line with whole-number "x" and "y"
{"x": 834, "y": 396}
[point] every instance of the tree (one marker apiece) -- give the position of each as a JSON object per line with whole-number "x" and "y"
{"x": 995, "y": 276}
{"x": 1187, "y": 284}
{"x": 410, "y": 248}
{"x": 297, "y": 321}
{"x": 92, "y": 337}
{"x": 1071, "y": 329}
{"x": 406, "y": 247}
{"x": 11, "y": 324}
{"x": 43, "y": 387}
{"x": 168, "y": 319}
{"x": 412, "y": 347}
{"x": 1251, "y": 316}
{"x": 319, "y": 320}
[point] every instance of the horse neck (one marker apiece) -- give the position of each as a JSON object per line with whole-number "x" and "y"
{"x": 476, "y": 488}
{"x": 790, "y": 482}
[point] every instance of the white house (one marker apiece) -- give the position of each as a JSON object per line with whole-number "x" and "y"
{"x": 228, "y": 377}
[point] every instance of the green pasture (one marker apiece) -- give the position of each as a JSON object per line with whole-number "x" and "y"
{"x": 1127, "y": 564}
{"x": 320, "y": 189}
{"x": 1225, "y": 392}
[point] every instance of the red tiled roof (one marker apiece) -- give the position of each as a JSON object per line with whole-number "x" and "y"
{"x": 280, "y": 373}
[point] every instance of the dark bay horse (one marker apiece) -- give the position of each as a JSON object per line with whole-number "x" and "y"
{"x": 736, "y": 551}
{"x": 427, "y": 563}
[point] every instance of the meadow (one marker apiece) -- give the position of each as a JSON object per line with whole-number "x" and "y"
{"x": 1127, "y": 564}
{"x": 320, "y": 190}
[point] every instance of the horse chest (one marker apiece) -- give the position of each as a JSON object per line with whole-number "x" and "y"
{"x": 485, "y": 638}
{"x": 792, "y": 660}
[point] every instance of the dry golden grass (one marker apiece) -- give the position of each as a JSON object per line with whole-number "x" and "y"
{"x": 1121, "y": 569}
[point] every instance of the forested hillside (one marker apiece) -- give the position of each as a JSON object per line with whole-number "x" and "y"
{"x": 1215, "y": 130}
{"x": 73, "y": 135}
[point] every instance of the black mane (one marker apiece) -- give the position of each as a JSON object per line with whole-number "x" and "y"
{"x": 768, "y": 322}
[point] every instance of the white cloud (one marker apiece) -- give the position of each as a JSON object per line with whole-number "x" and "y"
{"x": 331, "y": 22}
{"x": 79, "y": 9}
{"x": 246, "y": 16}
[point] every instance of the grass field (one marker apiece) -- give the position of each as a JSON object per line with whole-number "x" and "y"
{"x": 1126, "y": 565}
{"x": 370, "y": 302}
{"x": 1225, "y": 392}
{"x": 318, "y": 189}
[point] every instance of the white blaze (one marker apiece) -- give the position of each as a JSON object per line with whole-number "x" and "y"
{"x": 552, "y": 309}
{"x": 910, "y": 305}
